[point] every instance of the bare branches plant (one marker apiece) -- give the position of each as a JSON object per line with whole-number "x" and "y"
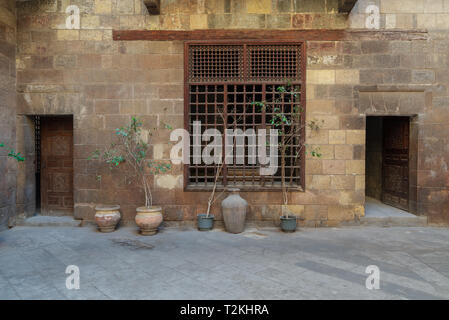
{"x": 133, "y": 149}
{"x": 291, "y": 129}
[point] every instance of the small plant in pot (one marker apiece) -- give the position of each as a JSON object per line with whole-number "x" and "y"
{"x": 290, "y": 127}
{"x": 206, "y": 220}
{"x": 133, "y": 150}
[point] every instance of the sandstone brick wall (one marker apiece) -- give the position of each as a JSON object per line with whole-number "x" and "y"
{"x": 8, "y": 166}
{"x": 103, "y": 82}
{"x": 412, "y": 79}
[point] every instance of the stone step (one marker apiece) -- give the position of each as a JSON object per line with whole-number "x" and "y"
{"x": 416, "y": 221}
{"x": 49, "y": 221}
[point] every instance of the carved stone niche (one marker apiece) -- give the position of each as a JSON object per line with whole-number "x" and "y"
{"x": 153, "y": 6}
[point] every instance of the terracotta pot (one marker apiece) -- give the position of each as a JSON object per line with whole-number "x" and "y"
{"x": 149, "y": 219}
{"x": 234, "y": 210}
{"x": 107, "y": 217}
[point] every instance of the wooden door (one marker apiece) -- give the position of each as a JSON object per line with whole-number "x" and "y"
{"x": 395, "y": 162}
{"x": 57, "y": 165}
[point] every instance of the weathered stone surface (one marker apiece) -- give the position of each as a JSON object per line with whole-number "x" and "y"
{"x": 103, "y": 82}
{"x": 8, "y": 166}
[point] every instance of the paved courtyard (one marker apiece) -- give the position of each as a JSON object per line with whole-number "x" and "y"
{"x": 327, "y": 263}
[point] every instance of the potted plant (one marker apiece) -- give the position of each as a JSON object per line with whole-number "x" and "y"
{"x": 132, "y": 150}
{"x": 206, "y": 220}
{"x": 290, "y": 127}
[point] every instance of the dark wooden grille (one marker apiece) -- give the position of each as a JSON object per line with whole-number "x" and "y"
{"x": 223, "y": 85}
{"x": 215, "y": 63}
{"x": 275, "y": 63}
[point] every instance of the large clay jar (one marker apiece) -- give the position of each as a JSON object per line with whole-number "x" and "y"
{"x": 107, "y": 217}
{"x": 234, "y": 210}
{"x": 149, "y": 219}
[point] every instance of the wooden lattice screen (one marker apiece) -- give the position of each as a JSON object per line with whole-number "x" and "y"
{"x": 222, "y": 83}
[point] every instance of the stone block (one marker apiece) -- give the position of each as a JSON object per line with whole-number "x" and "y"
{"x": 318, "y": 182}
{"x": 258, "y": 6}
{"x": 341, "y": 212}
{"x": 343, "y": 152}
{"x": 355, "y": 166}
{"x": 309, "y": 6}
{"x": 67, "y": 35}
{"x": 65, "y": 61}
{"x": 347, "y": 77}
{"x": 423, "y": 76}
{"x": 314, "y": 166}
{"x": 359, "y": 152}
{"x": 352, "y": 122}
{"x": 355, "y": 136}
{"x": 371, "y": 76}
{"x": 334, "y": 167}
{"x": 374, "y": 46}
{"x": 342, "y": 182}
{"x": 386, "y": 61}
{"x": 320, "y": 136}
{"x": 91, "y": 35}
{"x": 315, "y": 212}
{"x": 168, "y": 181}
{"x": 198, "y": 21}
{"x": 337, "y": 136}
{"x": 321, "y": 76}
{"x": 89, "y": 61}
{"x": 45, "y": 62}
{"x": 106, "y": 107}
{"x": 321, "y": 107}
{"x": 103, "y": 7}
{"x": 279, "y": 21}
{"x": 283, "y": 5}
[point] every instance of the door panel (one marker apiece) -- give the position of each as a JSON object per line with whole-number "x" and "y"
{"x": 395, "y": 162}
{"x": 56, "y": 165}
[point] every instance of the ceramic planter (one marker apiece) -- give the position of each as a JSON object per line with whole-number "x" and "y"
{"x": 205, "y": 222}
{"x": 288, "y": 224}
{"x": 149, "y": 219}
{"x": 107, "y": 217}
{"x": 234, "y": 210}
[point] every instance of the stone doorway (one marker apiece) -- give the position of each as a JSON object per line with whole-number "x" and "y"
{"x": 54, "y": 165}
{"x": 391, "y": 147}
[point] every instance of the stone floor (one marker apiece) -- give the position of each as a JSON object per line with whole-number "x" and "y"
{"x": 326, "y": 263}
{"x": 376, "y": 209}
{"x": 382, "y": 215}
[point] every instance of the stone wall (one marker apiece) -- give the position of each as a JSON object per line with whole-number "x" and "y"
{"x": 411, "y": 78}
{"x": 103, "y": 82}
{"x": 8, "y": 166}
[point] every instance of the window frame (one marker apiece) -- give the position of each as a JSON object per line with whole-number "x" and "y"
{"x": 302, "y": 68}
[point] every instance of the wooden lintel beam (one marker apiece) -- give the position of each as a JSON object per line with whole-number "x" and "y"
{"x": 257, "y": 34}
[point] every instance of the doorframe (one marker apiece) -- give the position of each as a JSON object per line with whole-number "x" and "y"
{"x": 43, "y": 183}
{"x": 26, "y": 173}
{"x": 412, "y": 157}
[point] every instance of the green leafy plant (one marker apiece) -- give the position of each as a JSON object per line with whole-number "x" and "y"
{"x": 12, "y": 153}
{"x": 133, "y": 150}
{"x": 290, "y": 126}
